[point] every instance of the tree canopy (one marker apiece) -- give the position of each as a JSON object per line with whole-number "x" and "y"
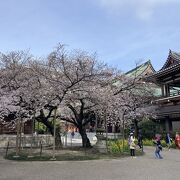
{"x": 75, "y": 82}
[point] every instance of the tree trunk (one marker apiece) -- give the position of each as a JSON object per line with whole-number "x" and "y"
{"x": 85, "y": 139}
{"x": 58, "y": 141}
{"x": 50, "y": 128}
{"x": 123, "y": 135}
{"x": 136, "y": 127}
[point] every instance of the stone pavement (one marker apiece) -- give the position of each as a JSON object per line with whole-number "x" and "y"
{"x": 142, "y": 168}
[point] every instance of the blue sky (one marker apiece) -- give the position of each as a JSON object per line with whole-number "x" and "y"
{"x": 121, "y": 32}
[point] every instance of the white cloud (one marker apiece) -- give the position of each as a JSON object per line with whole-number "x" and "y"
{"x": 143, "y": 9}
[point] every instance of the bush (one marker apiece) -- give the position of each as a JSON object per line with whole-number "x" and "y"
{"x": 40, "y": 128}
{"x": 150, "y": 128}
{"x": 117, "y": 146}
{"x": 149, "y": 142}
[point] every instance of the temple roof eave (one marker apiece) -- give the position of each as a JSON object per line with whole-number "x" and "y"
{"x": 164, "y": 72}
{"x": 141, "y": 70}
{"x": 168, "y": 99}
{"x": 173, "y": 58}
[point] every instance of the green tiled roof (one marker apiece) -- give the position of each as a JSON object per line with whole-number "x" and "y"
{"x": 139, "y": 70}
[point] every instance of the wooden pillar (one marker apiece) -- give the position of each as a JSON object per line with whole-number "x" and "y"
{"x": 168, "y": 124}
{"x": 167, "y": 90}
{"x": 163, "y": 90}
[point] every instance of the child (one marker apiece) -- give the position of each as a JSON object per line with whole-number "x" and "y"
{"x": 158, "y": 144}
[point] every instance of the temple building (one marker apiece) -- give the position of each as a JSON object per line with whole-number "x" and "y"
{"x": 166, "y": 86}
{"x": 26, "y": 128}
{"x": 137, "y": 73}
{"x": 142, "y": 70}
{"x": 168, "y": 79}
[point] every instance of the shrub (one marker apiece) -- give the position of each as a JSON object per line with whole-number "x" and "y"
{"x": 40, "y": 128}
{"x": 117, "y": 146}
{"x": 150, "y": 128}
{"x": 149, "y": 142}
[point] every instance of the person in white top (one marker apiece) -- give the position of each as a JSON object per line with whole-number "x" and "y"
{"x": 132, "y": 144}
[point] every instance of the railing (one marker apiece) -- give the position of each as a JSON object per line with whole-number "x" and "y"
{"x": 26, "y": 140}
{"x": 175, "y": 93}
{"x": 47, "y": 140}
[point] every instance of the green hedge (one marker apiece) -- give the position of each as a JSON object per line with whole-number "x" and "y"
{"x": 149, "y": 142}
{"x": 116, "y": 147}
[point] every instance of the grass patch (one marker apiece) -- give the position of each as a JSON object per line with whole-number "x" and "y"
{"x": 63, "y": 157}
{"x": 116, "y": 151}
{"x": 24, "y": 157}
{"x": 68, "y": 157}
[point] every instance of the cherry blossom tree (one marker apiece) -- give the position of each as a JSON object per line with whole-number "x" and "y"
{"x": 74, "y": 83}
{"x": 72, "y": 77}
{"x": 13, "y": 83}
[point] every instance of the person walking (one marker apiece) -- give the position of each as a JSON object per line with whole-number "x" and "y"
{"x": 177, "y": 140}
{"x": 140, "y": 140}
{"x": 132, "y": 145}
{"x": 72, "y": 134}
{"x": 168, "y": 141}
{"x": 158, "y": 149}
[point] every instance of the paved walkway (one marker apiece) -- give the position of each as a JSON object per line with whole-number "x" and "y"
{"x": 142, "y": 168}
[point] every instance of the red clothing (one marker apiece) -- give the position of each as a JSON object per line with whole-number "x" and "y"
{"x": 177, "y": 140}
